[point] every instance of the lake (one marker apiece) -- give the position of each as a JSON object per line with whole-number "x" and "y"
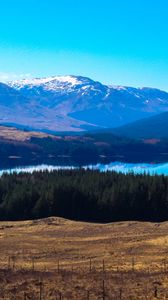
{"x": 124, "y": 167}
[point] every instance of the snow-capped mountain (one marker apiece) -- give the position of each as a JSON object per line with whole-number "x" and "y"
{"x": 50, "y": 83}
{"x": 75, "y": 103}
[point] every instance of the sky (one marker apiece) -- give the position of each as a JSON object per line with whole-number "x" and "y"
{"x": 122, "y": 42}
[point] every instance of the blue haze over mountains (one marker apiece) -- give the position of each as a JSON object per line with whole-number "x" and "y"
{"x": 75, "y": 103}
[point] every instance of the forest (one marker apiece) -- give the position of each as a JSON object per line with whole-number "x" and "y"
{"x": 85, "y": 195}
{"x": 80, "y": 150}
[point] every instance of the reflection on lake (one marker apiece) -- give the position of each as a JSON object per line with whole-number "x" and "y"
{"x": 137, "y": 168}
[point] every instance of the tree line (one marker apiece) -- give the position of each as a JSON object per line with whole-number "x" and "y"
{"x": 85, "y": 195}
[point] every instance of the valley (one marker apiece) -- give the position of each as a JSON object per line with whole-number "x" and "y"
{"x": 70, "y": 122}
{"x": 83, "y": 150}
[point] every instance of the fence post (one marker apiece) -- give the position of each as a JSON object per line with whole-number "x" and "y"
{"x": 58, "y": 266}
{"x": 103, "y": 266}
{"x": 41, "y": 286}
{"x": 155, "y": 292}
{"x": 9, "y": 260}
{"x": 164, "y": 265}
{"x": 60, "y": 296}
{"x": 13, "y": 260}
{"x": 133, "y": 264}
{"x": 90, "y": 265}
{"x": 33, "y": 263}
{"x": 103, "y": 291}
{"x": 146, "y": 291}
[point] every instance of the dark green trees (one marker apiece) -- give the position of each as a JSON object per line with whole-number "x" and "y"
{"x": 84, "y": 195}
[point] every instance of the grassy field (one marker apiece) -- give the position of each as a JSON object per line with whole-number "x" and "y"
{"x": 60, "y": 259}
{"x": 13, "y": 134}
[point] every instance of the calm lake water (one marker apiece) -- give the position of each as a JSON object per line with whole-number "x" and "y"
{"x": 137, "y": 168}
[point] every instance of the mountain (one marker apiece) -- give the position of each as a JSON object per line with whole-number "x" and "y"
{"x": 16, "y": 108}
{"x": 12, "y": 103}
{"x": 155, "y": 127}
{"x": 76, "y": 103}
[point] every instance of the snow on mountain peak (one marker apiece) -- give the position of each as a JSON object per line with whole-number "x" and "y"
{"x": 49, "y": 82}
{"x": 117, "y": 87}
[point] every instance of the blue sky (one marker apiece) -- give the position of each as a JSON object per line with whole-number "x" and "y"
{"x": 117, "y": 42}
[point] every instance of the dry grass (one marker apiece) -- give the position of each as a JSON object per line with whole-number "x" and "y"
{"x": 11, "y": 133}
{"x": 71, "y": 259}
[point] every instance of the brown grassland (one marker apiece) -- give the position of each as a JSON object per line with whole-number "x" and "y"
{"x": 13, "y": 134}
{"x": 59, "y": 259}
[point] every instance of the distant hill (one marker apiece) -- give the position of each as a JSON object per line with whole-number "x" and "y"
{"x": 153, "y": 127}
{"x": 20, "y": 147}
{"x": 76, "y": 103}
{"x": 14, "y": 134}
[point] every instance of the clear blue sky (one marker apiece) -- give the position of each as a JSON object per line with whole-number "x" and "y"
{"x": 117, "y": 42}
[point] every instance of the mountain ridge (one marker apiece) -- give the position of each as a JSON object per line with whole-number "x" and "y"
{"x": 77, "y": 103}
{"x": 153, "y": 127}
